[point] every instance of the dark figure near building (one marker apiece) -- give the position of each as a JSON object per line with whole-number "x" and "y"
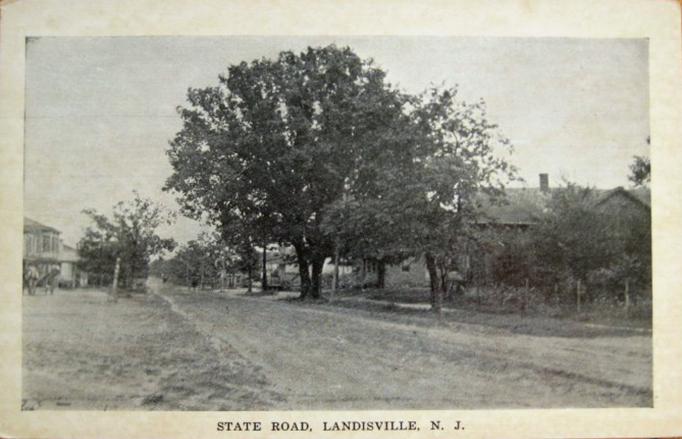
{"x": 31, "y": 277}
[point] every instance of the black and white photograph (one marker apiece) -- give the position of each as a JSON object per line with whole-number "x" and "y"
{"x": 256, "y": 223}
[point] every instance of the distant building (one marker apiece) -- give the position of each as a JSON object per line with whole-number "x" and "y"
{"x": 44, "y": 249}
{"x": 70, "y": 275}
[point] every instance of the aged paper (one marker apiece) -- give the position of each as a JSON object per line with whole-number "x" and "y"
{"x": 88, "y": 97}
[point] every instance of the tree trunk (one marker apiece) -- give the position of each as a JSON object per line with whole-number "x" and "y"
{"x": 302, "y": 271}
{"x": 363, "y": 274}
{"x": 381, "y": 274}
{"x": 444, "y": 279}
{"x": 265, "y": 270}
{"x": 250, "y": 281}
{"x": 436, "y": 291}
{"x": 316, "y": 287}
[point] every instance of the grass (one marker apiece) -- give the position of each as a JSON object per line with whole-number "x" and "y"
{"x": 509, "y": 314}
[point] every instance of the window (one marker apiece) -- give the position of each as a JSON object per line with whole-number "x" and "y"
{"x": 46, "y": 244}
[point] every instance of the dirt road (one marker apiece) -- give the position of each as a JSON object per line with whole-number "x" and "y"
{"x": 232, "y": 351}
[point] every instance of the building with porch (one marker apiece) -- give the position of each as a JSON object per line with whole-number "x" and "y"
{"x": 44, "y": 250}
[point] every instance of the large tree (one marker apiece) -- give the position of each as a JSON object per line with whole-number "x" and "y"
{"x": 272, "y": 145}
{"x": 422, "y": 201}
{"x": 129, "y": 234}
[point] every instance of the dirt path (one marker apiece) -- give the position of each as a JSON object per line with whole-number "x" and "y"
{"x": 323, "y": 357}
{"x": 176, "y": 349}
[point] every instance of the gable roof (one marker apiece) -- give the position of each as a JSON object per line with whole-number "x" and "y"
{"x": 33, "y": 225}
{"x": 640, "y": 196}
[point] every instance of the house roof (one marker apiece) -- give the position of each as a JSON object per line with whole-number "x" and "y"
{"x": 641, "y": 195}
{"x": 33, "y": 225}
{"x": 519, "y": 206}
{"x": 523, "y": 206}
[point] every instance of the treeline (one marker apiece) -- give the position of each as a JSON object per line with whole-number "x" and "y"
{"x": 207, "y": 262}
{"x": 317, "y": 151}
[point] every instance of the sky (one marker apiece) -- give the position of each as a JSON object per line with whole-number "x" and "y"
{"x": 100, "y": 111}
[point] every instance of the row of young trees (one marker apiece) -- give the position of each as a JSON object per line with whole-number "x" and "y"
{"x": 129, "y": 238}
{"x": 318, "y": 151}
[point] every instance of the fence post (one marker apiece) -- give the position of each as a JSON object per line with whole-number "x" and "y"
{"x": 577, "y": 294}
{"x": 114, "y": 285}
{"x": 627, "y": 297}
{"x": 556, "y": 291}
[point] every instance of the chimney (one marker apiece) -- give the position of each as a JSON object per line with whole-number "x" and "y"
{"x": 544, "y": 182}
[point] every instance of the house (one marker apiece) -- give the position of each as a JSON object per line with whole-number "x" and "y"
{"x": 44, "y": 249}
{"x": 520, "y": 209}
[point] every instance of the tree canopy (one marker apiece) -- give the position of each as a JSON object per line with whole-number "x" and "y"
{"x": 422, "y": 201}
{"x": 130, "y": 234}
{"x": 640, "y": 171}
{"x": 307, "y": 148}
{"x": 272, "y": 145}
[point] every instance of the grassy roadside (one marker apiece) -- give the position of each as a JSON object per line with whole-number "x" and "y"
{"x": 412, "y": 306}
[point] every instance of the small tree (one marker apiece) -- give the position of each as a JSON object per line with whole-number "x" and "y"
{"x": 130, "y": 234}
{"x": 574, "y": 238}
{"x": 640, "y": 171}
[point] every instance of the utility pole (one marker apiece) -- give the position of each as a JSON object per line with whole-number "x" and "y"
{"x": 627, "y": 297}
